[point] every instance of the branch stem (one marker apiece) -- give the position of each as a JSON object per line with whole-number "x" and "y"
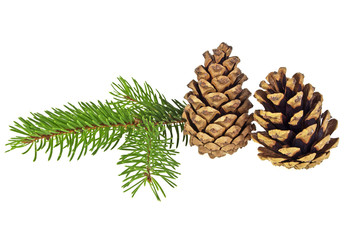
{"x": 136, "y": 122}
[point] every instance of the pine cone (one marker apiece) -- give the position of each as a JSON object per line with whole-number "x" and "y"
{"x": 217, "y": 118}
{"x": 296, "y": 134}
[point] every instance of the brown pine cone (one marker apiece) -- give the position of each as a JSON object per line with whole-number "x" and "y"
{"x": 217, "y": 118}
{"x": 296, "y": 134}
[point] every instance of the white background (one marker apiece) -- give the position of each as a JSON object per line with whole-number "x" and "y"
{"x": 54, "y": 52}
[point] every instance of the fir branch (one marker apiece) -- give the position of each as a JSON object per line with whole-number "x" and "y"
{"x": 90, "y": 127}
{"x": 148, "y": 158}
{"x": 98, "y": 125}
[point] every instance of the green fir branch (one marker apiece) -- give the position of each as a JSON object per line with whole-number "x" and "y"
{"x": 144, "y": 117}
{"x": 149, "y": 158}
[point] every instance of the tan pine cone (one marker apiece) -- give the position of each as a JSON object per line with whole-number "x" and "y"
{"x": 217, "y": 118}
{"x": 296, "y": 134}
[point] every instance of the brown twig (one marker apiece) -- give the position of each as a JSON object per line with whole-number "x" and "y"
{"x": 130, "y": 99}
{"x": 148, "y": 173}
